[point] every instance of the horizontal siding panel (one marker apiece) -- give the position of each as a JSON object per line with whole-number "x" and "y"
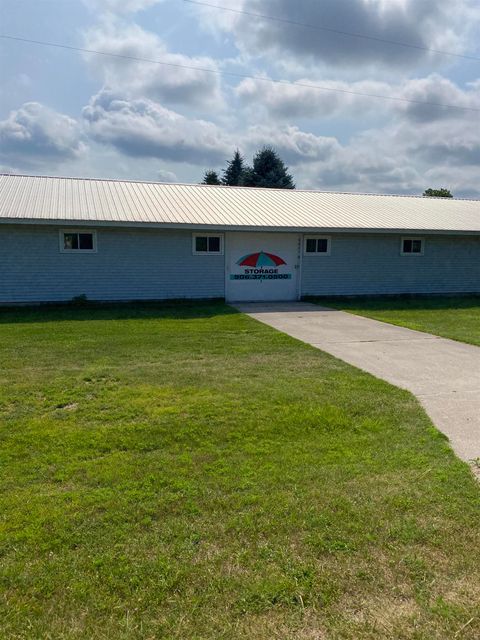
{"x": 372, "y": 264}
{"x": 129, "y": 265}
{"x": 136, "y": 264}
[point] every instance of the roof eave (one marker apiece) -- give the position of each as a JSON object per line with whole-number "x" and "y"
{"x": 222, "y": 227}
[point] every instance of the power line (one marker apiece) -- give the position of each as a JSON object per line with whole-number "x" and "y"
{"x": 331, "y": 30}
{"x": 242, "y": 76}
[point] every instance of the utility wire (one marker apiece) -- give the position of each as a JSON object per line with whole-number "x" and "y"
{"x": 331, "y": 30}
{"x": 232, "y": 74}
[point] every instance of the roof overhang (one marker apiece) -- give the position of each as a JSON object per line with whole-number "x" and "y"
{"x": 233, "y": 228}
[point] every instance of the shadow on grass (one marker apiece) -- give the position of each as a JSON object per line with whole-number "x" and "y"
{"x": 396, "y": 303}
{"x": 172, "y": 309}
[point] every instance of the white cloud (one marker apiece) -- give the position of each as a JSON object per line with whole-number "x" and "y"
{"x": 35, "y": 133}
{"x": 293, "y": 145}
{"x": 404, "y": 157}
{"x": 166, "y": 176}
{"x": 153, "y": 121}
{"x": 430, "y": 24}
{"x": 168, "y": 84}
{"x": 286, "y": 101}
{"x": 436, "y": 89}
{"x": 143, "y": 128}
{"x": 400, "y": 157}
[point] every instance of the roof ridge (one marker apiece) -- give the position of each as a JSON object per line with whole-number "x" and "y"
{"x": 208, "y": 186}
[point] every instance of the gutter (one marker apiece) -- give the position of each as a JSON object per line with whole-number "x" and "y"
{"x": 224, "y": 228}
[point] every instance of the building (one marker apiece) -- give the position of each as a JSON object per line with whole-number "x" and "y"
{"x": 117, "y": 240}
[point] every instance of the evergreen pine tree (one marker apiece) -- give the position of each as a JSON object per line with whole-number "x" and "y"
{"x": 269, "y": 170}
{"x": 232, "y": 175}
{"x": 211, "y": 177}
{"x": 248, "y": 177}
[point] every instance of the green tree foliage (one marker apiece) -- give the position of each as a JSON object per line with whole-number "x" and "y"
{"x": 438, "y": 193}
{"x": 211, "y": 177}
{"x": 268, "y": 170}
{"x": 233, "y": 174}
{"x": 248, "y": 178}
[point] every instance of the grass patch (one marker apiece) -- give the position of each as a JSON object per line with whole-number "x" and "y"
{"x": 455, "y": 317}
{"x": 182, "y": 471}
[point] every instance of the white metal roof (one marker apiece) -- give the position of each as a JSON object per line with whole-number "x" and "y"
{"x": 114, "y": 202}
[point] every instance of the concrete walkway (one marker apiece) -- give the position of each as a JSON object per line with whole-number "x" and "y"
{"x": 443, "y": 374}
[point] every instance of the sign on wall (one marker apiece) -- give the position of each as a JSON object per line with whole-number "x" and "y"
{"x": 261, "y": 266}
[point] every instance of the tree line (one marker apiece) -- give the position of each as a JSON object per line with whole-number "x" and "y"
{"x": 437, "y": 193}
{"x": 267, "y": 170}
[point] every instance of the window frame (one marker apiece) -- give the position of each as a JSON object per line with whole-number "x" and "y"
{"x": 317, "y": 253}
{"x": 412, "y": 253}
{"x": 207, "y": 252}
{"x": 61, "y": 237}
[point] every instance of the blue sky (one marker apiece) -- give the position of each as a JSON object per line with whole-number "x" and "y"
{"x": 68, "y": 113}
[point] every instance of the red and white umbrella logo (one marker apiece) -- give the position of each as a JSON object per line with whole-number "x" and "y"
{"x": 261, "y": 259}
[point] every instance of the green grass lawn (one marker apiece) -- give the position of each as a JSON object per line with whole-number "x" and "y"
{"x": 451, "y": 317}
{"x": 183, "y": 472}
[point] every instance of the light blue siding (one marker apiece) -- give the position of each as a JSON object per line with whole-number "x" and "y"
{"x": 130, "y": 264}
{"x": 158, "y": 264}
{"x": 372, "y": 264}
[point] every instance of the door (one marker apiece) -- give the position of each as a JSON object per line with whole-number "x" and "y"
{"x": 262, "y": 266}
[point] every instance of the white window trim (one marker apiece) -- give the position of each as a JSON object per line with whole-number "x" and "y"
{"x": 77, "y": 251}
{"x": 409, "y": 255}
{"x": 207, "y": 235}
{"x": 317, "y": 254}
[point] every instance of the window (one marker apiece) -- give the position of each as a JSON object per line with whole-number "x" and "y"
{"x": 78, "y": 241}
{"x": 207, "y": 244}
{"x": 317, "y": 245}
{"x": 412, "y": 247}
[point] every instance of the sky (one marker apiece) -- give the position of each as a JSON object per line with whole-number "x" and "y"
{"x": 71, "y": 113}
